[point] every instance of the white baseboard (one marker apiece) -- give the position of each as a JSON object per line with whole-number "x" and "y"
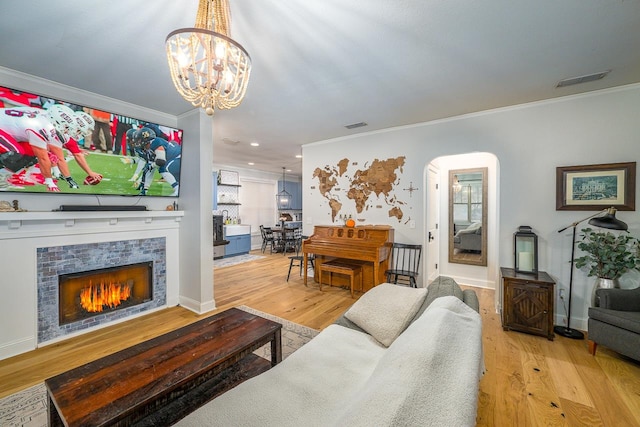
{"x": 197, "y": 307}
{"x": 471, "y": 281}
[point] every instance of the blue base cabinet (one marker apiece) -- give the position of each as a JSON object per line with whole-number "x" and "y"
{"x": 238, "y": 245}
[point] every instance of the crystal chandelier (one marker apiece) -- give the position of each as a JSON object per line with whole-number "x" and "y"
{"x": 208, "y": 68}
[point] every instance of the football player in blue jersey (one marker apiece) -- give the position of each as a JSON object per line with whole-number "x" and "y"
{"x": 159, "y": 153}
{"x": 136, "y": 157}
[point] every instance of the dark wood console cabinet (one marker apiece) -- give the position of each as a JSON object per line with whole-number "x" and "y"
{"x": 527, "y": 302}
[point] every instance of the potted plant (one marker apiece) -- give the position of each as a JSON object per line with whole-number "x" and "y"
{"x": 607, "y": 257}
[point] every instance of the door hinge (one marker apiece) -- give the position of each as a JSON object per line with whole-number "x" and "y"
{"x": 436, "y": 266}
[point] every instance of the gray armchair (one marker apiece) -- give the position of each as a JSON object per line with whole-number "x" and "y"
{"x": 615, "y": 323}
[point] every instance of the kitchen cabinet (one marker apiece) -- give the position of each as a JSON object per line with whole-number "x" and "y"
{"x": 238, "y": 245}
{"x": 239, "y": 237}
{"x": 528, "y": 302}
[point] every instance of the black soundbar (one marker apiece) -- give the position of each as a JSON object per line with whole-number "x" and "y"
{"x": 98, "y": 208}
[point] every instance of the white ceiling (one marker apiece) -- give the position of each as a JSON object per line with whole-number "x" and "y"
{"x": 321, "y": 65}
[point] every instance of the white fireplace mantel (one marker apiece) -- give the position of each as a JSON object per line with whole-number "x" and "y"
{"x": 38, "y": 224}
{"x": 21, "y": 233}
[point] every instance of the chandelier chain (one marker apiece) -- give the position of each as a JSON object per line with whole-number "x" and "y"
{"x": 213, "y": 15}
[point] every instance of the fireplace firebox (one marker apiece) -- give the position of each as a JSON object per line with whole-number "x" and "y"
{"x": 86, "y": 294}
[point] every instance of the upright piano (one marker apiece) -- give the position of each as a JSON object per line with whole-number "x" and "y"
{"x": 370, "y": 245}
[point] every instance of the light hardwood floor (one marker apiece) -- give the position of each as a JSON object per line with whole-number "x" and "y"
{"x": 529, "y": 380}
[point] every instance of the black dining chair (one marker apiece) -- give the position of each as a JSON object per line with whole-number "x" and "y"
{"x": 291, "y": 239}
{"x": 297, "y": 260}
{"x": 267, "y": 238}
{"x": 404, "y": 264}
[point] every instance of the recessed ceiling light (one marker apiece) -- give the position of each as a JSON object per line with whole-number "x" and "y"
{"x": 298, "y": 156}
{"x": 251, "y": 163}
{"x": 289, "y": 170}
{"x": 255, "y": 144}
{"x": 582, "y": 79}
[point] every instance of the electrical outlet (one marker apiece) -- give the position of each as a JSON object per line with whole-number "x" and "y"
{"x": 561, "y": 293}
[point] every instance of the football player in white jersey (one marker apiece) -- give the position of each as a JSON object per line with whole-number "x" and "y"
{"x": 31, "y": 125}
{"x": 73, "y": 126}
{"x": 66, "y": 123}
{"x": 85, "y": 125}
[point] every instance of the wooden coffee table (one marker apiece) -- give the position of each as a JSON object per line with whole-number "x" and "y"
{"x": 159, "y": 381}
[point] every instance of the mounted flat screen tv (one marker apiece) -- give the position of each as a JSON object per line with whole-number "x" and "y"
{"x": 53, "y": 146}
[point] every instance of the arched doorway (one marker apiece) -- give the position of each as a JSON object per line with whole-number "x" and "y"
{"x": 436, "y": 229}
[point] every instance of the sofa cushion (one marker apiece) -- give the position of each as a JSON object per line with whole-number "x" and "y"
{"x": 440, "y": 287}
{"x": 629, "y": 320}
{"x": 429, "y": 376}
{"x": 386, "y": 310}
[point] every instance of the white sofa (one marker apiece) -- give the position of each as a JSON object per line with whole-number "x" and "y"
{"x": 428, "y": 375}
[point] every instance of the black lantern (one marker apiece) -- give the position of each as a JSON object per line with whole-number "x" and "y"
{"x": 283, "y": 198}
{"x": 525, "y": 245}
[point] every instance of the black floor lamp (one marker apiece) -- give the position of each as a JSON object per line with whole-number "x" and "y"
{"x": 606, "y": 221}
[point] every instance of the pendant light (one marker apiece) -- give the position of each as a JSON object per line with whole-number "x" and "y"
{"x": 283, "y": 198}
{"x": 456, "y": 184}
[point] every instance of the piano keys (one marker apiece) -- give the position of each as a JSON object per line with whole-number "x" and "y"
{"x": 370, "y": 245}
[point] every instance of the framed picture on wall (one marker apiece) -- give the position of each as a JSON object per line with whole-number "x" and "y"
{"x": 595, "y": 187}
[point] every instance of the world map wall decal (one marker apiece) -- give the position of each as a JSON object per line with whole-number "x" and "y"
{"x": 380, "y": 178}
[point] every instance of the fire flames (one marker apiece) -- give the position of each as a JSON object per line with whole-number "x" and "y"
{"x": 95, "y": 298}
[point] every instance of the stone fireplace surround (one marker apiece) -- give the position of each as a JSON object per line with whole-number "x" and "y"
{"x": 23, "y": 233}
{"x": 57, "y": 260}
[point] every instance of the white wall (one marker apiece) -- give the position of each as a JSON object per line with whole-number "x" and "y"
{"x": 529, "y": 142}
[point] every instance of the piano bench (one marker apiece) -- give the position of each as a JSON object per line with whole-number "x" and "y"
{"x": 341, "y": 267}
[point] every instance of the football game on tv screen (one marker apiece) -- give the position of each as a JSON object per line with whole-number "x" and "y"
{"x": 52, "y": 146}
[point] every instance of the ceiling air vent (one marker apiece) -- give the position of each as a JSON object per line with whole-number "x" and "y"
{"x": 356, "y": 125}
{"x": 230, "y": 141}
{"x": 582, "y": 79}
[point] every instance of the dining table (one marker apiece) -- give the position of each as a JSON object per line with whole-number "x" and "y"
{"x": 280, "y": 237}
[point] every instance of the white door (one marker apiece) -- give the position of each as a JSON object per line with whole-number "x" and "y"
{"x": 432, "y": 255}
